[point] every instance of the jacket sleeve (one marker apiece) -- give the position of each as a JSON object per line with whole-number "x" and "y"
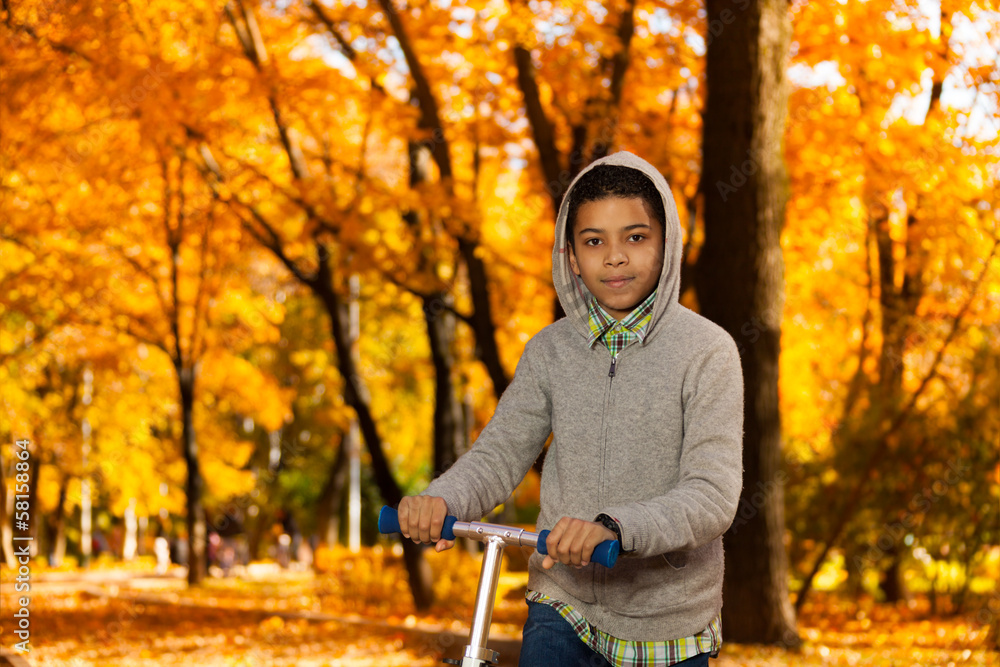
{"x": 703, "y": 503}
{"x": 488, "y": 473}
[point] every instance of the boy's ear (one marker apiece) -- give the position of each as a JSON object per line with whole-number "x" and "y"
{"x": 573, "y": 264}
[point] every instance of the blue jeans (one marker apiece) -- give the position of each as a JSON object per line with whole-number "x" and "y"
{"x": 550, "y": 641}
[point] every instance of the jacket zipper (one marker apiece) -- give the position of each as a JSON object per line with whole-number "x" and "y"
{"x": 601, "y": 582}
{"x": 606, "y": 418}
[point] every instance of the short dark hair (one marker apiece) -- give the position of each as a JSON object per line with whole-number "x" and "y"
{"x": 607, "y": 181}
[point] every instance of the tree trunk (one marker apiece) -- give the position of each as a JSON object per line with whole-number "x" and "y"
{"x": 256, "y": 531}
{"x": 891, "y": 582}
{"x": 483, "y": 327}
{"x": 739, "y": 283}
{"x": 439, "y": 322}
{"x": 596, "y": 129}
{"x": 57, "y": 526}
{"x": 355, "y": 395}
{"x": 33, "y": 511}
{"x": 447, "y": 410}
{"x": 331, "y": 498}
{"x": 196, "y": 529}
{"x": 6, "y": 533}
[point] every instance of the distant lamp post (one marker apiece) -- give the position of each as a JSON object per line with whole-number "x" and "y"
{"x": 354, "y": 437}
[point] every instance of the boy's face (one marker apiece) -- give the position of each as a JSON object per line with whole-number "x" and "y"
{"x": 617, "y": 251}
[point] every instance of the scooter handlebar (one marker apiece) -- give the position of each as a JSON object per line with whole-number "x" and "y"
{"x": 388, "y": 523}
{"x": 605, "y": 553}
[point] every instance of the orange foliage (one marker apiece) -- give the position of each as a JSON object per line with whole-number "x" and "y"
{"x": 151, "y": 160}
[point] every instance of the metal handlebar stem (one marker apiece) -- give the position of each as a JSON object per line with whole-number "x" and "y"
{"x": 495, "y": 538}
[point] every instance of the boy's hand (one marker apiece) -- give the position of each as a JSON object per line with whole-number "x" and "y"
{"x": 572, "y": 541}
{"x": 421, "y": 519}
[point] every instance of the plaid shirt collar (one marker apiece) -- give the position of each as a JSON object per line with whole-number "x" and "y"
{"x": 632, "y": 327}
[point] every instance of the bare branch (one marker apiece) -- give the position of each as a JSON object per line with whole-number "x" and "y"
{"x": 309, "y": 209}
{"x": 173, "y": 243}
{"x": 241, "y": 33}
{"x": 430, "y": 117}
{"x": 39, "y": 337}
{"x": 253, "y": 32}
{"x": 345, "y": 46}
{"x": 904, "y": 414}
{"x": 253, "y": 46}
{"x": 857, "y": 380}
{"x": 263, "y": 231}
{"x": 542, "y": 129}
{"x": 426, "y": 297}
{"x": 619, "y": 66}
{"x": 16, "y": 241}
{"x": 145, "y": 272}
{"x": 275, "y": 245}
{"x": 201, "y": 294}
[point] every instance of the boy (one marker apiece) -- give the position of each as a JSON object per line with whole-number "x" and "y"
{"x": 644, "y": 399}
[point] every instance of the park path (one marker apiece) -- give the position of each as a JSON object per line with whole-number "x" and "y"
{"x": 152, "y": 590}
{"x": 117, "y": 618}
{"x": 427, "y": 635}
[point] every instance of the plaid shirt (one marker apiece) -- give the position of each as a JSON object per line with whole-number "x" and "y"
{"x": 619, "y": 335}
{"x": 624, "y": 653}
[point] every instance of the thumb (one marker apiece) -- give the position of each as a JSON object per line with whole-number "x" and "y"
{"x": 442, "y": 545}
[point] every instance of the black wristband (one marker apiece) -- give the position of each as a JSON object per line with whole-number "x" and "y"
{"x": 611, "y": 525}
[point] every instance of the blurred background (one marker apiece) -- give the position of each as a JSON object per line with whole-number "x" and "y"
{"x": 267, "y": 266}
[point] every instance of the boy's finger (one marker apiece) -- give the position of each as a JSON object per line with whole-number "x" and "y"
{"x": 552, "y": 541}
{"x": 403, "y": 516}
{"x": 426, "y": 526}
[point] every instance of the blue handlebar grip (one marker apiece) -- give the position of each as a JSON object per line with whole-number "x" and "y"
{"x": 446, "y": 530}
{"x": 388, "y": 523}
{"x": 541, "y": 547}
{"x": 605, "y": 553}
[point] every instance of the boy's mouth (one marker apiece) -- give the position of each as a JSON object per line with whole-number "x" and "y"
{"x": 616, "y": 282}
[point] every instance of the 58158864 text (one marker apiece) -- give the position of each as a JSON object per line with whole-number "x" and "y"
{"x": 22, "y": 543}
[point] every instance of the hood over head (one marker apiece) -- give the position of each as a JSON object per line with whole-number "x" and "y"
{"x": 574, "y": 295}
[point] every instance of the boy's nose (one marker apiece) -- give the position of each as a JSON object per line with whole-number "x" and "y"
{"x": 615, "y": 257}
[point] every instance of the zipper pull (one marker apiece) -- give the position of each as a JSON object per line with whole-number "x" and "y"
{"x": 611, "y": 373}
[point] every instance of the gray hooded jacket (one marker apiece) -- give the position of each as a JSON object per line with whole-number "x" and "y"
{"x": 657, "y": 446}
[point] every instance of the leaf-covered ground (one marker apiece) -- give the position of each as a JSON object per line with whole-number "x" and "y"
{"x": 359, "y": 614}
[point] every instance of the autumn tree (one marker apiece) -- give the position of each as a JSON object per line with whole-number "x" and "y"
{"x": 917, "y": 285}
{"x": 740, "y": 280}
{"x": 165, "y": 274}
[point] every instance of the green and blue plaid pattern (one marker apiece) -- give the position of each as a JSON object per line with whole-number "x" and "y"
{"x": 623, "y": 653}
{"x": 617, "y": 335}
